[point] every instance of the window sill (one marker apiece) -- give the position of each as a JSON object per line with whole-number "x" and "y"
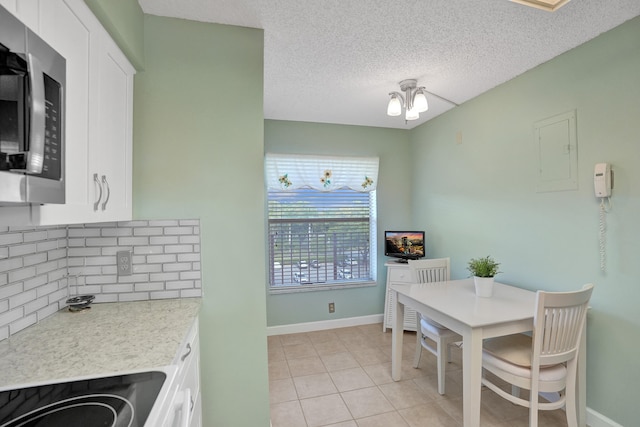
{"x": 288, "y": 289}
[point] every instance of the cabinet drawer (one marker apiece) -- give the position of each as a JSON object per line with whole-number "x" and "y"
{"x": 399, "y": 275}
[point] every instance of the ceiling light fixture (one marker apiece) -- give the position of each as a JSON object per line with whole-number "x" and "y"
{"x": 548, "y": 5}
{"x": 414, "y": 100}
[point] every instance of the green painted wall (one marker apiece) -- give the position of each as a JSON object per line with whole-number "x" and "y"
{"x": 393, "y": 200}
{"x": 479, "y": 197}
{"x": 198, "y": 153}
{"x": 124, "y": 20}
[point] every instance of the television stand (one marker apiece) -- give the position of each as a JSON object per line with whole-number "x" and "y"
{"x": 397, "y": 273}
{"x": 403, "y": 261}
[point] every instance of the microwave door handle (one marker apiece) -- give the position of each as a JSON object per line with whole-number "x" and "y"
{"x": 35, "y": 156}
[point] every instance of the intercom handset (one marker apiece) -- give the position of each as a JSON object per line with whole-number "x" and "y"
{"x": 603, "y": 184}
{"x": 602, "y": 180}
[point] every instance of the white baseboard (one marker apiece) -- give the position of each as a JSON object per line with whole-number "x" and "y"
{"x": 596, "y": 419}
{"x": 324, "y": 324}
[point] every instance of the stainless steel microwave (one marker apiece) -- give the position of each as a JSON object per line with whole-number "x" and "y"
{"x": 32, "y": 116}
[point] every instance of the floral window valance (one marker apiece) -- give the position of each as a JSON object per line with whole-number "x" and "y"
{"x": 324, "y": 173}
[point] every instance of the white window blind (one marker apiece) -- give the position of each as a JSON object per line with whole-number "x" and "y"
{"x": 320, "y": 237}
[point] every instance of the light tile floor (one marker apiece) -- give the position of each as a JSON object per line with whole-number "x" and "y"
{"x": 342, "y": 378}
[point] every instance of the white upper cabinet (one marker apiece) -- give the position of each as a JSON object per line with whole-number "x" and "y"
{"x": 111, "y": 155}
{"x": 99, "y": 102}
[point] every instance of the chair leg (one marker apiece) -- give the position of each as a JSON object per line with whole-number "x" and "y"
{"x": 533, "y": 403}
{"x": 416, "y": 358}
{"x": 442, "y": 363}
{"x": 571, "y": 403}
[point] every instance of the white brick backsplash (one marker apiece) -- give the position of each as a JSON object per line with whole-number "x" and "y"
{"x": 22, "y": 323}
{"x": 34, "y": 259}
{"x": 106, "y": 298}
{"x": 164, "y": 276}
{"x": 162, "y": 259}
{"x": 195, "y": 257}
{"x": 174, "y": 249}
{"x": 178, "y": 230}
{"x": 34, "y": 236}
{"x": 11, "y": 316}
{"x": 148, "y": 231}
{"x": 47, "y": 289}
{"x": 185, "y": 266}
{"x": 40, "y": 267}
{"x": 164, "y": 223}
{"x": 147, "y": 250}
{"x": 9, "y": 291}
{"x": 10, "y": 238}
{"x": 18, "y": 250}
{"x": 148, "y": 286}
{"x": 48, "y": 311}
{"x": 133, "y": 241}
{"x": 165, "y": 240}
{"x": 190, "y": 240}
{"x": 101, "y": 241}
{"x": 10, "y": 264}
{"x": 22, "y": 298}
{"x": 134, "y": 296}
{"x": 190, "y": 293}
{"x": 189, "y": 275}
{"x": 35, "y": 305}
{"x": 116, "y": 232}
{"x": 164, "y": 294}
{"x": 46, "y": 267}
{"x": 119, "y": 289}
{"x": 180, "y": 284}
{"x": 35, "y": 282}
{"x": 21, "y": 274}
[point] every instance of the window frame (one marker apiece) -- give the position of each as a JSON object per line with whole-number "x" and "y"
{"x": 334, "y": 283}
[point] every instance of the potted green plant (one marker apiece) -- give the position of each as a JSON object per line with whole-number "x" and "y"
{"x": 483, "y": 271}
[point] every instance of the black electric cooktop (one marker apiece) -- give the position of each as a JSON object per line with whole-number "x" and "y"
{"x": 116, "y": 401}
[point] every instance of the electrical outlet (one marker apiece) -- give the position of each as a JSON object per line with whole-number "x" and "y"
{"x": 332, "y": 307}
{"x": 124, "y": 263}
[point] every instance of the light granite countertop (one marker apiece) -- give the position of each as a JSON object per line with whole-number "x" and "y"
{"x": 108, "y": 338}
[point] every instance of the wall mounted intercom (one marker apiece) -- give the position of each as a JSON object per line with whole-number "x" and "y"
{"x": 602, "y": 181}
{"x": 602, "y": 185}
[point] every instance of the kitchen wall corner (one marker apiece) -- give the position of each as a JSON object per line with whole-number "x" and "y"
{"x": 33, "y": 275}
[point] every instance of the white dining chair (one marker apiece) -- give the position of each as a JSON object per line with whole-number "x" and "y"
{"x": 546, "y": 361}
{"x": 428, "y": 331}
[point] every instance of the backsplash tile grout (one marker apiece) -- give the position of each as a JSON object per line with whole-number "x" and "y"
{"x": 40, "y": 267}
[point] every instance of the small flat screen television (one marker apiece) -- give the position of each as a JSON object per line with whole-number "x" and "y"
{"x": 404, "y": 245}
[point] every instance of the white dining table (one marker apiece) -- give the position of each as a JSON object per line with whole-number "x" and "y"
{"x": 454, "y": 304}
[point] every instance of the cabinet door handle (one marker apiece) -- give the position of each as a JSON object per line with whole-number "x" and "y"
{"x": 97, "y": 203}
{"x": 186, "y": 415}
{"x": 184, "y": 356}
{"x": 104, "y": 181}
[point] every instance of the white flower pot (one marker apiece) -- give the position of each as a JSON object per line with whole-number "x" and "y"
{"x": 484, "y": 286}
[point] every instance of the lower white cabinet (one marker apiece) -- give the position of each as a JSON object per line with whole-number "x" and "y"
{"x": 186, "y": 407}
{"x": 397, "y": 273}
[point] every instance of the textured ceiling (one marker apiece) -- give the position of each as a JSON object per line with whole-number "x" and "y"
{"x": 335, "y": 61}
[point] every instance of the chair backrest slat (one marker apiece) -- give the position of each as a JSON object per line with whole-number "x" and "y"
{"x": 558, "y": 324}
{"x": 430, "y": 270}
